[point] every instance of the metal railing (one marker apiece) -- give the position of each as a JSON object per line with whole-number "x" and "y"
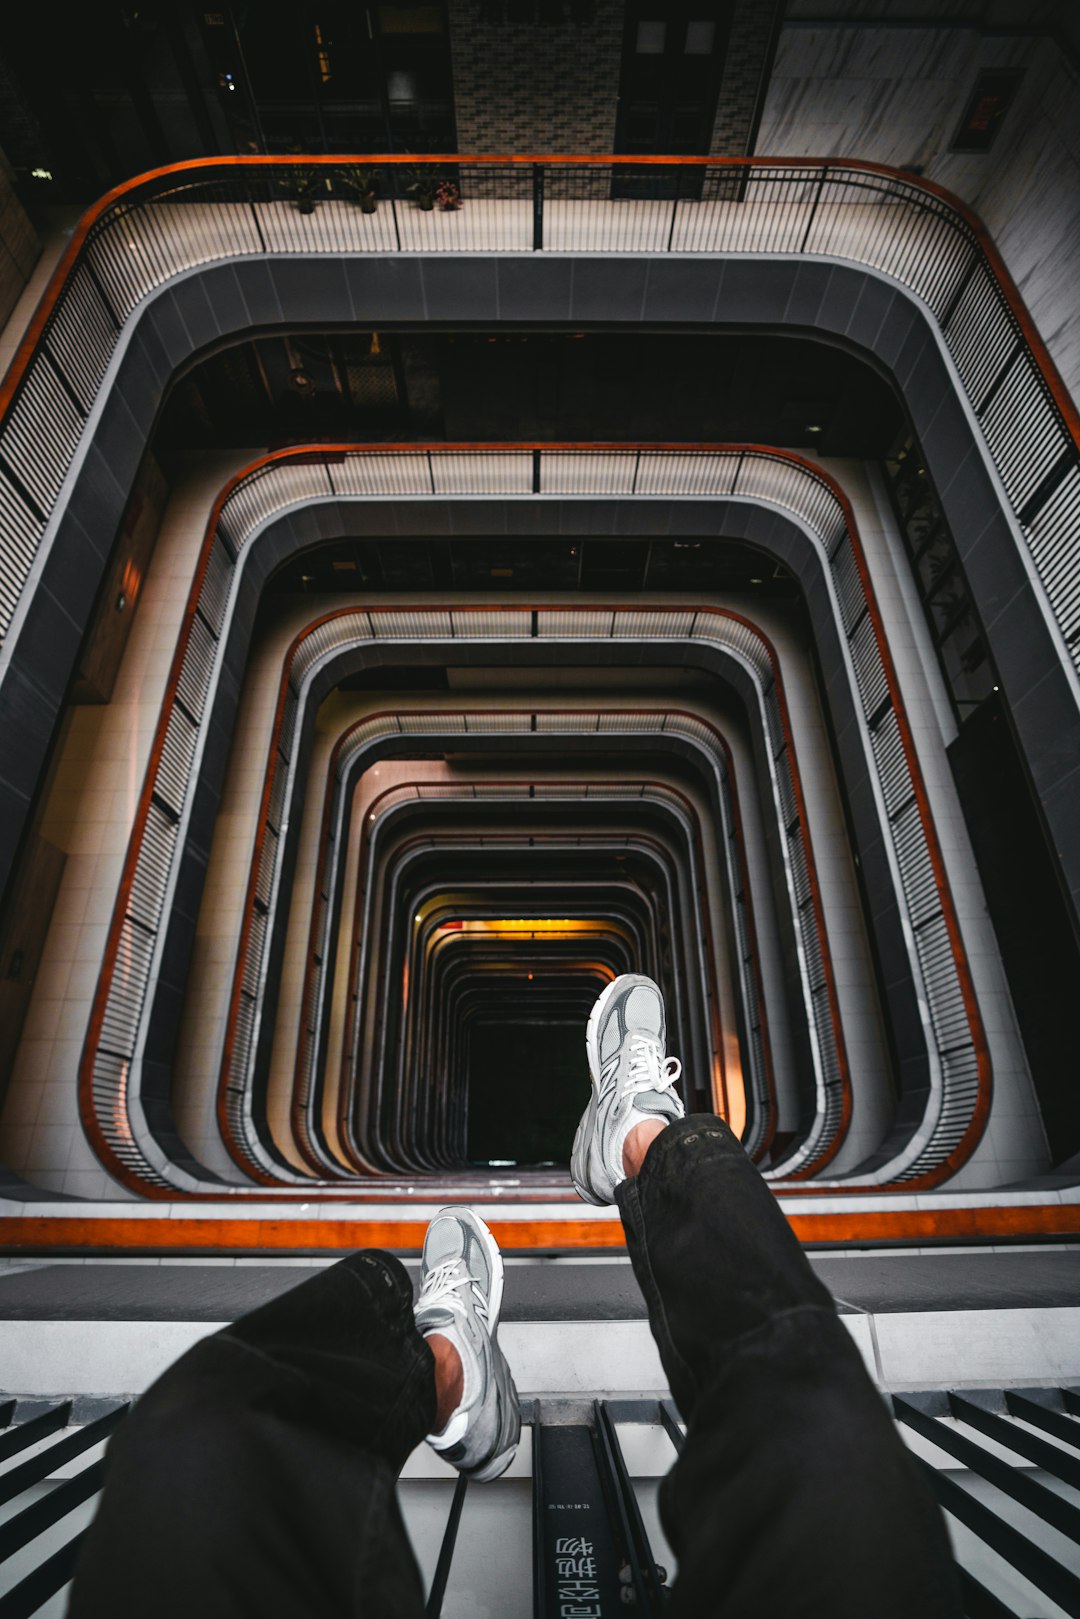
{"x": 329, "y": 874}
{"x": 329, "y": 637}
{"x": 1016, "y": 1468}
{"x": 161, "y": 225}
{"x": 960, "y": 1072}
{"x": 42, "y": 1529}
{"x": 991, "y": 1458}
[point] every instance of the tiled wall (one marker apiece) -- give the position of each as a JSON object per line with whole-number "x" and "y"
{"x": 895, "y": 95}
{"x": 533, "y": 87}
{"x": 530, "y": 87}
{"x": 1014, "y": 1145}
{"x": 101, "y": 771}
{"x": 89, "y": 814}
{"x": 745, "y": 62}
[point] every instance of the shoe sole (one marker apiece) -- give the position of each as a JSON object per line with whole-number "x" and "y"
{"x": 600, "y": 1006}
{"x": 495, "y": 1468}
{"x": 498, "y": 1464}
{"x": 579, "y": 1155}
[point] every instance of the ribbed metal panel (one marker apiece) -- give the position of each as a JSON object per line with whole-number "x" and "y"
{"x": 568, "y": 723}
{"x": 198, "y": 669}
{"x": 278, "y": 788}
{"x": 288, "y": 721}
{"x": 583, "y": 472}
{"x": 174, "y": 767}
{"x": 131, "y": 972}
{"x": 375, "y": 474}
{"x": 869, "y": 672}
{"x": 784, "y": 483}
{"x": 496, "y": 719}
{"x": 615, "y": 789}
{"x": 217, "y": 582}
{"x": 1053, "y": 536}
{"x": 697, "y": 730}
{"x": 491, "y": 624}
{"x": 849, "y": 586}
{"x": 893, "y": 771}
{"x": 272, "y": 490}
{"x": 549, "y": 789}
{"x": 406, "y": 624}
{"x": 692, "y": 474}
{"x": 40, "y": 434}
{"x": 630, "y": 722}
{"x": 264, "y": 878}
{"x": 257, "y": 926}
{"x": 20, "y": 534}
{"x": 660, "y": 624}
{"x": 1025, "y": 440}
{"x": 392, "y": 798}
{"x": 425, "y": 724}
{"x": 155, "y": 863}
{"x": 485, "y": 472}
{"x": 82, "y": 338}
{"x": 979, "y": 339}
{"x": 577, "y": 623}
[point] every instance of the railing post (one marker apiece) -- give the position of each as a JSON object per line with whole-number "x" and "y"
{"x": 254, "y": 210}
{"x": 676, "y": 188}
{"x": 538, "y": 207}
{"x": 814, "y": 209}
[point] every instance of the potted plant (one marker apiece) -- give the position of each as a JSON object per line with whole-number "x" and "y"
{"x": 422, "y": 188}
{"x": 359, "y": 187}
{"x": 304, "y": 186}
{"x": 447, "y": 196}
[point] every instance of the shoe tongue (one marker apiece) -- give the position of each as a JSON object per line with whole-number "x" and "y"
{"x": 438, "y": 1316}
{"x": 445, "y": 1241}
{"x": 660, "y": 1102}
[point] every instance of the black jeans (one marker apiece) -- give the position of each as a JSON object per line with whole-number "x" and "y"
{"x": 257, "y": 1476}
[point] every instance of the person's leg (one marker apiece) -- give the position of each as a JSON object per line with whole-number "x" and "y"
{"x": 257, "y": 1476}
{"x": 793, "y": 1495}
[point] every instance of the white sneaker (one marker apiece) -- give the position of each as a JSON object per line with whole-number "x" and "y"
{"x": 632, "y": 1080}
{"x": 461, "y": 1283}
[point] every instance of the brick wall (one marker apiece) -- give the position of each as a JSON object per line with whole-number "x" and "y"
{"x": 748, "y": 49}
{"x": 527, "y": 85}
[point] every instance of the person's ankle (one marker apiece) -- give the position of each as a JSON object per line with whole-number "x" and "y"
{"x": 449, "y": 1378}
{"x": 638, "y": 1142}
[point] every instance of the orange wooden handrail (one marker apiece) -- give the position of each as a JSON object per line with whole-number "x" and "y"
{"x": 348, "y": 1147}
{"x": 912, "y": 184}
{"x": 830, "y": 1148}
{"x": 980, "y": 1223}
{"x": 335, "y": 452}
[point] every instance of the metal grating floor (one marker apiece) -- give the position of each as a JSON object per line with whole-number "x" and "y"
{"x": 1005, "y": 1464}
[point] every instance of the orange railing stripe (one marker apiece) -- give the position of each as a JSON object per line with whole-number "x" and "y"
{"x": 47, "y": 1233}
{"x": 337, "y": 451}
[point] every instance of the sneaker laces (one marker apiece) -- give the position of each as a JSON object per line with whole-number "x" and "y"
{"x": 647, "y": 1072}
{"x": 442, "y": 1286}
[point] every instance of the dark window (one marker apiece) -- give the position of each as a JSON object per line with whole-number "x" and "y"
{"x": 984, "y": 114}
{"x": 954, "y": 623}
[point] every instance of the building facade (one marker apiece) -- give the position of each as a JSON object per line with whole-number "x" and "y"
{"x": 625, "y": 520}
